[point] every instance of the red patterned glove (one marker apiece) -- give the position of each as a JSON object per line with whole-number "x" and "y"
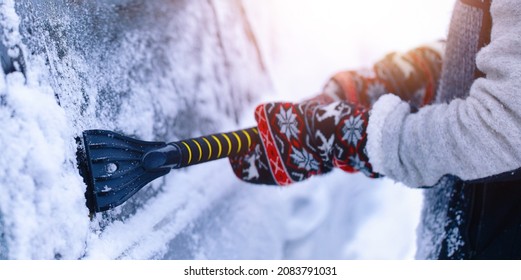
{"x": 413, "y": 76}
{"x": 302, "y": 140}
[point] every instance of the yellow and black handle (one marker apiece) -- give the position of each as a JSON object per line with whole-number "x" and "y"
{"x": 201, "y": 149}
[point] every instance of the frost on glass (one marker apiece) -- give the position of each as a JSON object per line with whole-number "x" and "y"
{"x": 155, "y": 70}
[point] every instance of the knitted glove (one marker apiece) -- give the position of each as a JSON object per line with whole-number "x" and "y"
{"x": 306, "y": 139}
{"x": 300, "y": 140}
{"x": 413, "y": 76}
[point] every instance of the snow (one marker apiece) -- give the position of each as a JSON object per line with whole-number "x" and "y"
{"x": 156, "y": 80}
{"x": 38, "y": 177}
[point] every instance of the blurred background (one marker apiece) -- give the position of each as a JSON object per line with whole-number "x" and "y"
{"x": 307, "y": 41}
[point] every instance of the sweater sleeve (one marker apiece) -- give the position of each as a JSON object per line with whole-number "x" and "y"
{"x": 471, "y": 138}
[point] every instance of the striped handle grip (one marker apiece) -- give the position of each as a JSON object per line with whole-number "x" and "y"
{"x": 216, "y": 146}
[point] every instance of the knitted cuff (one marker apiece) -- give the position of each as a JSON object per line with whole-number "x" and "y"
{"x": 379, "y": 148}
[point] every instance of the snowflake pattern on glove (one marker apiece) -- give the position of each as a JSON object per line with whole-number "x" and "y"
{"x": 303, "y": 159}
{"x": 287, "y": 123}
{"x": 289, "y": 159}
{"x": 353, "y": 129}
{"x": 347, "y": 126}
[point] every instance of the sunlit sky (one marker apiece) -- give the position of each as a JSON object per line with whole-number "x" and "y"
{"x": 309, "y": 40}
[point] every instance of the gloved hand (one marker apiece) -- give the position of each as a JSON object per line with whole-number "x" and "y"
{"x": 305, "y": 139}
{"x": 312, "y": 137}
{"x": 413, "y": 76}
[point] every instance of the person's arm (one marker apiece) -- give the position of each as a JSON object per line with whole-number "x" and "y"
{"x": 473, "y": 138}
{"x": 413, "y": 76}
{"x": 313, "y": 136}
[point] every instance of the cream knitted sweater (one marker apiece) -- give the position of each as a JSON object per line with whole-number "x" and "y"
{"x": 472, "y": 138}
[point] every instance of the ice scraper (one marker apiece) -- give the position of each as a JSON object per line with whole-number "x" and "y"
{"x": 115, "y": 166}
